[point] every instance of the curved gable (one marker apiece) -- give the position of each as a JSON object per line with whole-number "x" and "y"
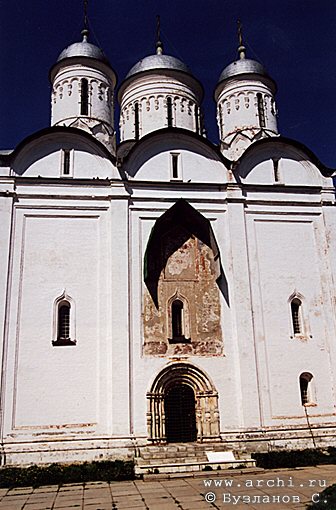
{"x": 282, "y": 161}
{"x": 42, "y": 155}
{"x": 198, "y": 160}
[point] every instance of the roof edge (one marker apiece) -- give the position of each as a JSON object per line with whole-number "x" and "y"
{"x": 177, "y": 131}
{"x": 53, "y": 130}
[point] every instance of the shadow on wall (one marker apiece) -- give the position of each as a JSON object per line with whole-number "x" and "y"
{"x": 184, "y": 215}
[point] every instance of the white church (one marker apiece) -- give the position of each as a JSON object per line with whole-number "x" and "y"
{"x": 164, "y": 290}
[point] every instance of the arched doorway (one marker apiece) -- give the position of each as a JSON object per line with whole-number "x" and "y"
{"x": 185, "y": 386}
{"x": 180, "y": 414}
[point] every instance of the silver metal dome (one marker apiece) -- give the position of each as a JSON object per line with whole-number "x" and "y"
{"x": 242, "y": 66}
{"x": 153, "y": 62}
{"x": 83, "y": 49}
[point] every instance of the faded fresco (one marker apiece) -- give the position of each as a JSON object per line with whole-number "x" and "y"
{"x": 188, "y": 276}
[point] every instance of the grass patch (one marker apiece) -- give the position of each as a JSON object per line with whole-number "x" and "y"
{"x": 295, "y": 458}
{"x": 327, "y": 500}
{"x": 58, "y": 474}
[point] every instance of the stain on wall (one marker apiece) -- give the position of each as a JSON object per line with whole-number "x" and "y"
{"x": 188, "y": 275}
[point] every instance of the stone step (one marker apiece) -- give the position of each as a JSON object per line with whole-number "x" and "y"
{"x": 167, "y": 455}
{"x": 190, "y": 447}
{"x": 188, "y": 467}
{"x": 190, "y": 457}
{"x": 171, "y": 460}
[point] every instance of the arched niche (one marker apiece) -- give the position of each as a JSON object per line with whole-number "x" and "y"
{"x": 206, "y": 401}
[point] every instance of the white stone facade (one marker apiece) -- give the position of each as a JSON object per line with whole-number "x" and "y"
{"x": 258, "y": 238}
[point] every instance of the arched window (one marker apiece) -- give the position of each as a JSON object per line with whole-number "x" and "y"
{"x": 177, "y": 319}
{"x": 84, "y": 97}
{"x": 136, "y": 121}
{"x": 169, "y": 112}
{"x": 261, "y": 110}
{"x": 64, "y": 321}
{"x": 296, "y": 316}
{"x": 305, "y": 388}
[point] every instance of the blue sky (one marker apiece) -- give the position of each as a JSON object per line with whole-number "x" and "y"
{"x": 294, "y": 39}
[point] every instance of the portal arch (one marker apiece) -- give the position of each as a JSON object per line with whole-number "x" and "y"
{"x": 206, "y": 401}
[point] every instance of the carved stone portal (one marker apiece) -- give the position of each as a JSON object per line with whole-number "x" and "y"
{"x": 206, "y": 402}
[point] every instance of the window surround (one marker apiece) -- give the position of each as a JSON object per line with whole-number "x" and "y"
{"x": 64, "y": 300}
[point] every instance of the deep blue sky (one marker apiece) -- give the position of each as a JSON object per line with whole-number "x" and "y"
{"x": 294, "y": 39}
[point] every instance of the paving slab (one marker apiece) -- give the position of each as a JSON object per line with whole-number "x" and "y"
{"x": 189, "y": 493}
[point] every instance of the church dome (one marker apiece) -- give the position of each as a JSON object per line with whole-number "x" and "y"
{"x": 83, "y": 49}
{"x": 242, "y": 66}
{"x": 158, "y": 61}
{"x": 159, "y": 91}
{"x": 83, "y": 84}
{"x": 246, "y": 108}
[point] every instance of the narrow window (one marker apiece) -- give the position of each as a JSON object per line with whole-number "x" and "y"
{"x": 261, "y": 110}
{"x": 305, "y": 388}
{"x": 175, "y": 166}
{"x": 177, "y": 319}
{"x": 169, "y": 112}
{"x": 296, "y": 316}
{"x": 64, "y": 322}
{"x": 64, "y": 326}
{"x": 197, "y": 119}
{"x": 220, "y": 118}
{"x": 66, "y": 162}
{"x": 136, "y": 121}
{"x": 273, "y": 108}
{"x": 84, "y": 98}
{"x": 276, "y": 169}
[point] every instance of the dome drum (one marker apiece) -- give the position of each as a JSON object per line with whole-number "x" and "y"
{"x": 245, "y": 106}
{"x": 66, "y": 95}
{"x": 240, "y": 106}
{"x": 157, "y": 99}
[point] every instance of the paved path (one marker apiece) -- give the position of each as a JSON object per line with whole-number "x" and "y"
{"x": 291, "y": 488}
